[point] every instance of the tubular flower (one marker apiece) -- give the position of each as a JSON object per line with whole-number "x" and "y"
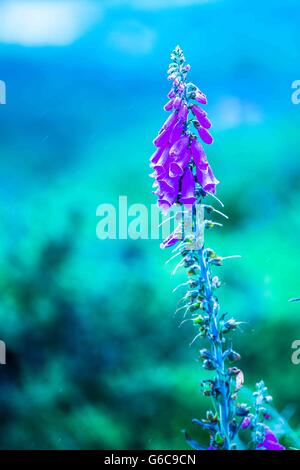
{"x": 270, "y": 441}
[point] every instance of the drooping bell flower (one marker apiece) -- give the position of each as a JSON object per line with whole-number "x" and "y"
{"x": 183, "y": 112}
{"x": 171, "y": 93}
{"x": 162, "y": 139}
{"x": 270, "y": 441}
{"x": 177, "y": 102}
{"x": 176, "y": 132}
{"x": 199, "y": 155}
{"x": 246, "y": 422}
{"x": 188, "y": 188}
{"x": 161, "y": 166}
{"x": 177, "y": 167}
{"x": 156, "y": 156}
{"x": 173, "y": 238}
{"x": 167, "y": 199}
{"x": 179, "y": 146}
{"x": 198, "y": 111}
{"x": 168, "y": 184}
{"x": 169, "y": 105}
{"x": 200, "y": 97}
{"x": 204, "y": 121}
{"x": 207, "y": 180}
{"x": 170, "y": 122}
{"x": 204, "y": 135}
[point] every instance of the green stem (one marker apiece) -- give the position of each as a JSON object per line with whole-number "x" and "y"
{"x": 215, "y": 338}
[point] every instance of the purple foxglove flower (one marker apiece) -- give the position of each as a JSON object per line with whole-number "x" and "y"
{"x": 207, "y": 180}
{"x": 200, "y": 97}
{"x": 205, "y": 135}
{"x": 156, "y": 155}
{"x": 169, "y": 105}
{"x": 161, "y": 167}
{"x": 270, "y": 442}
{"x": 161, "y": 171}
{"x": 162, "y": 139}
{"x": 179, "y": 146}
{"x": 199, "y": 155}
{"x": 170, "y": 122}
{"x": 167, "y": 199}
{"x": 198, "y": 111}
{"x": 172, "y": 239}
{"x": 176, "y": 132}
{"x": 183, "y": 112}
{"x": 168, "y": 184}
{"x": 188, "y": 188}
{"x": 176, "y": 168}
{"x": 204, "y": 122}
{"x": 246, "y": 422}
{"x": 177, "y": 102}
{"x": 171, "y": 93}
{"x": 180, "y": 88}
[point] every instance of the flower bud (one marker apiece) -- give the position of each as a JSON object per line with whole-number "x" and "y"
{"x": 215, "y": 282}
{"x": 208, "y": 364}
{"x": 242, "y": 409}
{"x": 230, "y": 325}
{"x": 198, "y": 320}
{"x": 205, "y": 354}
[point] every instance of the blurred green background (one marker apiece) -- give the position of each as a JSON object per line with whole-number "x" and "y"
{"x": 95, "y": 358}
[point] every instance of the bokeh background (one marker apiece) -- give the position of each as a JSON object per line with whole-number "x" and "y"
{"x": 95, "y": 358}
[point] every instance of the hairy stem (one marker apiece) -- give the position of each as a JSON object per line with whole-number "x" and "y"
{"x": 212, "y": 309}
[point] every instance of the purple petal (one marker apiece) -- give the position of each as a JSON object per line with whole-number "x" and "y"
{"x": 200, "y": 97}
{"x": 188, "y": 188}
{"x": 177, "y": 103}
{"x": 205, "y": 135}
{"x": 176, "y": 168}
{"x": 161, "y": 167}
{"x": 169, "y": 184}
{"x": 199, "y": 155}
{"x": 179, "y": 146}
{"x": 167, "y": 199}
{"x": 246, "y": 422}
{"x": 183, "y": 112}
{"x": 172, "y": 239}
{"x": 162, "y": 139}
{"x": 204, "y": 122}
{"x": 198, "y": 111}
{"x": 170, "y": 122}
{"x": 156, "y": 155}
{"x": 171, "y": 93}
{"x": 169, "y": 105}
{"x": 176, "y": 132}
{"x": 207, "y": 180}
{"x": 271, "y": 442}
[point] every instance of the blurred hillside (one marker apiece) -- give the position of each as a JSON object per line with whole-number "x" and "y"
{"x": 95, "y": 358}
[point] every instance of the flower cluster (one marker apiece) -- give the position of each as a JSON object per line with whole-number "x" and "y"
{"x": 180, "y": 163}
{"x": 262, "y": 436}
{"x": 183, "y": 176}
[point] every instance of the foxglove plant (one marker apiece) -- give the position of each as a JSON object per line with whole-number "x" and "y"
{"x": 183, "y": 177}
